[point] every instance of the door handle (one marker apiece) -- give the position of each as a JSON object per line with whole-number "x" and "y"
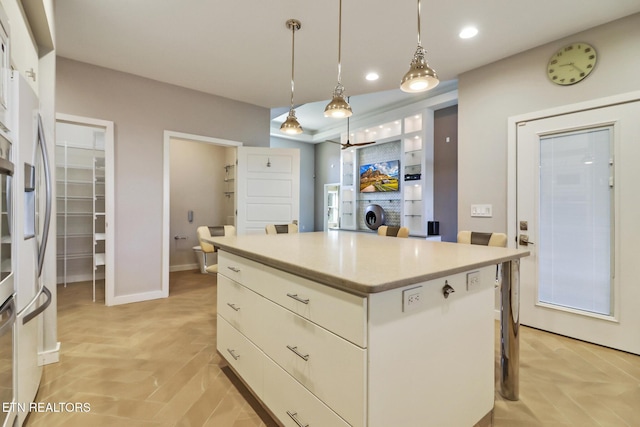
{"x": 41, "y": 308}
{"x": 9, "y": 307}
{"x": 523, "y": 240}
{"x": 47, "y": 182}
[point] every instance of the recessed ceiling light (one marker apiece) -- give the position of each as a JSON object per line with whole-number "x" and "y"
{"x": 468, "y": 32}
{"x": 372, "y": 76}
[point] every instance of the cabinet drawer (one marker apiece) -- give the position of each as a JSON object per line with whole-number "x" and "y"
{"x": 240, "y": 307}
{"x": 330, "y": 367}
{"x": 241, "y": 354}
{"x": 340, "y": 312}
{"x": 287, "y": 399}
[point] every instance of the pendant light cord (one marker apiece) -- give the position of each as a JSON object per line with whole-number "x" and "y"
{"x": 419, "y": 41}
{"x": 348, "y": 131}
{"x": 293, "y": 59}
{"x": 340, "y": 44}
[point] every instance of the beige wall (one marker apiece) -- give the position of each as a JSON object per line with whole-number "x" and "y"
{"x": 197, "y": 184}
{"x": 489, "y": 95}
{"x": 142, "y": 110}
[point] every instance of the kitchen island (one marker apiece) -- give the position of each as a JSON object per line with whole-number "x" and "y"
{"x": 352, "y": 329}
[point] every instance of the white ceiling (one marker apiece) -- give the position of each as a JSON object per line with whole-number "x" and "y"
{"x": 242, "y": 49}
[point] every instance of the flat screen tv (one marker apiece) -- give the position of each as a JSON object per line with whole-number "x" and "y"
{"x": 380, "y": 177}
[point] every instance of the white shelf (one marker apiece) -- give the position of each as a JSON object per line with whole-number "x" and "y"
{"x": 81, "y": 203}
{"x": 99, "y": 260}
{"x": 68, "y": 256}
{"x": 74, "y": 181}
{"x": 74, "y": 197}
{"x": 75, "y": 214}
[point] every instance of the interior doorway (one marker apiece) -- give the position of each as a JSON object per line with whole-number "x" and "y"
{"x": 200, "y": 171}
{"x": 84, "y": 202}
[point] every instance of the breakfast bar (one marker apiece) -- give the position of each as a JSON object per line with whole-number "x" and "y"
{"x": 353, "y": 329}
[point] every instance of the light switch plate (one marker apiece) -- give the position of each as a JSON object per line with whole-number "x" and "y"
{"x": 482, "y": 211}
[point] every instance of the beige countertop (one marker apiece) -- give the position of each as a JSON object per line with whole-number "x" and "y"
{"x": 363, "y": 263}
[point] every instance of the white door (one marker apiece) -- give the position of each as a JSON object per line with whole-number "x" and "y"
{"x": 578, "y": 205}
{"x": 268, "y": 188}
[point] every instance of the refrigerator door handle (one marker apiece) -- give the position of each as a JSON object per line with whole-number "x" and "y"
{"x": 41, "y": 308}
{"x": 11, "y": 308}
{"x": 47, "y": 182}
{"x": 45, "y": 232}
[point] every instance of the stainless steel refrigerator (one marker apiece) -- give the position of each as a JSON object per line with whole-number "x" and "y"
{"x": 32, "y": 217}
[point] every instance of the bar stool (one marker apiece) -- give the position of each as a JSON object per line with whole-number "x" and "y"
{"x": 281, "y": 228}
{"x": 385, "y": 230}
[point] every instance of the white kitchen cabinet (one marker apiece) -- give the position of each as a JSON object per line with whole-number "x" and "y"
{"x": 243, "y": 356}
{"x": 343, "y": 313}
{"x": 341, "y": 357}
{"x": 5, "y": 71}
{"x": 272, "y": 309}
{"x": 292, "y": 403}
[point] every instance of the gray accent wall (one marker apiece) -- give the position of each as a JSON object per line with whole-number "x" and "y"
{"x": 142, "y": 109}
{"x": 445, "y": 171}
{"x": 327, "y": 171}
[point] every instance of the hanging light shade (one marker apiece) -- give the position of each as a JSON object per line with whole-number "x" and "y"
{"x": 420, "y": 76}
{"x": 291, "y": 125}
{"x": 338, "y": 107}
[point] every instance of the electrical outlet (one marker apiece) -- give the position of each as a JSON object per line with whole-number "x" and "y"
{"x": 411, "y": 298}
{"x": 473, "y": 279}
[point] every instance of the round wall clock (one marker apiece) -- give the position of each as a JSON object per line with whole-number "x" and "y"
{"x": 571, "y": 64}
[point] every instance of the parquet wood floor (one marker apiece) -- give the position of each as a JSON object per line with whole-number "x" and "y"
{"x": 154, "y": 364}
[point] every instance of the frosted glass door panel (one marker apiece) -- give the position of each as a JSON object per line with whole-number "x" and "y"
{"x": 575, "y": 217}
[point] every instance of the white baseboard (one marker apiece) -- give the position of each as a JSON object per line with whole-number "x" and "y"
{"x": 184, "y": 267}
{"x": 145, "y": 296}
{"x": 48, "y": 357}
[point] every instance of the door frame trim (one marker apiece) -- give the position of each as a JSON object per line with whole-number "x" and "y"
{"x": 109, "y": 193}
{"x": 512, "y": 132}
{"x": 166, "y": 188}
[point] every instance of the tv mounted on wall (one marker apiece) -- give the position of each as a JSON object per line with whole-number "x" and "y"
{"x": 380, "y": 177}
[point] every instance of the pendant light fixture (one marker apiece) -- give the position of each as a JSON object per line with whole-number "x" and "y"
{"x": 338, "y": 107}
{"x": 291, "y": 125}
{"x": 420, "y": 76}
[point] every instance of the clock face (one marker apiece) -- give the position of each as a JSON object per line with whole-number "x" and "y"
{"x": 571, "y": 64}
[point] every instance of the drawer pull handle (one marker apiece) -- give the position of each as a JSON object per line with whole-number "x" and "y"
{"x": 294, "y": 417}
{"x": 235, "y": 270}
{"x": 297, "y": 298}
{"x": 305, "y": 357}
{"x": 233, "y": 306}
{"x": 233, "y": 354}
